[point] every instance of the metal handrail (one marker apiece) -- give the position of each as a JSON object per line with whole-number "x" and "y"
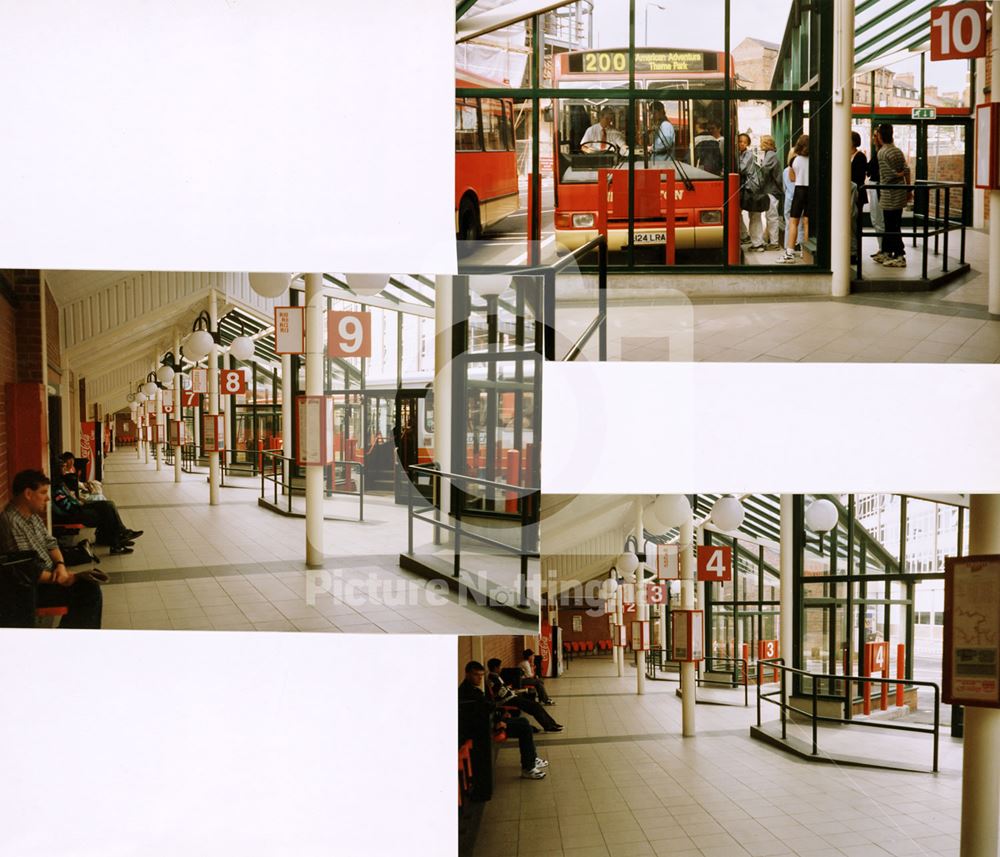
{"x": 578, "y": 346}
{"x": 816, "y": 717}
{"x": 288, "y": 489}
{"x": 548, "y": 273}
{"x": 943, "y": 226}
{"x": 653, "y": 663}
{"x": 526, "y": 502}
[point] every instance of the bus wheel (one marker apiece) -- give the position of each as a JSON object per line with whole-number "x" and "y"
{"x": 469, "y": 228}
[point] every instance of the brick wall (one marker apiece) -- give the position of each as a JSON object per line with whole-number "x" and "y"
{"x": 508, "y": 649}
{"x": 594, "y": 628}
{"x": 27, "y": 294}
{"x": 8, "y": 375}
{"x": 950, "y": 168}
{"x": 53, "y": 350}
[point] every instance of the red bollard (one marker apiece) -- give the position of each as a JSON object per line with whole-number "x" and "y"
{"x": 867, "y": 693}
{"x": 513, "y": 473}
{"x": 744, "y": 667}
{"x": 900, "y": 666}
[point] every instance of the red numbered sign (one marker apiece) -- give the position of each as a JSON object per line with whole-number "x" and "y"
{"x": 628, "y": 607}
{"x": 958, "y": 31}
{"x": 168, "y": 408}
{"x": 715, "y": 562}
{"x": 232, "y": 382}
{"x": 189, "y": 398}
{"x": 767, "y": 649}
{"x": 349, "y": 334}
{"x": 876, "y": 658}
{"x": 656, "y": 593}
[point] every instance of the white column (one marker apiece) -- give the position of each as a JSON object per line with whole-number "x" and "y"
{"x": 687, "y": 571}
{"x": 177, "y": 414}
{"x": 443, "y": 308}
{"x": 226, "y": 407}
{"x": 641, "y": 607}
{"x": 786, "y": 593}
{"x": 841, "y": 225}
{"x": 981, "y": 749}
{"x": 619, "y": 619}
{"x": 314, "y": 387}
{"x": 286, "y": 416}
{"x": 145, "y": 442}
{"x": 158, "y": 410}
{"x": 213, "y": 399}
{"x": 994, "y": 257}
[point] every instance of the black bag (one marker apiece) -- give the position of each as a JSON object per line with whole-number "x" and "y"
{"x": 19, "y": 573}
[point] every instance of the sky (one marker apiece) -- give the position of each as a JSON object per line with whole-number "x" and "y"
{"x": 678, "y": 25}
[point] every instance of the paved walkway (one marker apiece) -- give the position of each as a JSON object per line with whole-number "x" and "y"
{"x": 239, "y": 567}
{"x": 623, "y": 783}
{"x": 950, "y": 325}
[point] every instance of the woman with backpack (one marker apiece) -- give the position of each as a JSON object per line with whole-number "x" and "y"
{"x": 770, "y": 166}
{"x": 752, "y": 198}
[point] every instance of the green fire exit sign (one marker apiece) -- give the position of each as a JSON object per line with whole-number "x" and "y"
{"x": 924, "y": 113}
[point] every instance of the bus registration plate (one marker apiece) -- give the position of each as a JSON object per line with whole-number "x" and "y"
{"x": 650, "y": 237}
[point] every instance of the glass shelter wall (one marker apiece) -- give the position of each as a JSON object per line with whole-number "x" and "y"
{"x": 626, "y": 121}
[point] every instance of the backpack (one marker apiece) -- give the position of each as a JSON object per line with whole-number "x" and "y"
{"x": 754, "y": 181}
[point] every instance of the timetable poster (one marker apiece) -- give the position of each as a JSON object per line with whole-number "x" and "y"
{"x": 972, "y": 631}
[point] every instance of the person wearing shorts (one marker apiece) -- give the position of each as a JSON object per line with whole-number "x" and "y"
{"x": 800, "y": 199}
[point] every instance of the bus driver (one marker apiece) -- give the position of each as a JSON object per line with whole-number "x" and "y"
{"x": 597, "y": 137}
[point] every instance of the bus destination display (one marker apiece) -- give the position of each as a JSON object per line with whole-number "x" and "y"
{"x": 645, "y": 61}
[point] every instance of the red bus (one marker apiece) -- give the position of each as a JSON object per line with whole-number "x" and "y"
{"x": 486, "y": 188}
{"x": 700, "y": 158}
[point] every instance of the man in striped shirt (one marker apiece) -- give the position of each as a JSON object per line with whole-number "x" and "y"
{"x": 892, "y": 171}
{"x": 22, "y": 528}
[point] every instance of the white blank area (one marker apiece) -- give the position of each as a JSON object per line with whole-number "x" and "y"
{"x": 690, "y": 427}
{"x": 122, "y": 743}
{"x": 239, "y": 135}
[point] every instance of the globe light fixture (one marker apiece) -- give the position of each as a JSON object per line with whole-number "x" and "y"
{"x": 626, "y": 564}
{"x": 728, "y": 513}
{"x": 165, "y": 375}
{"x": 821, "y": 516}
{"x": 367, "y": 284}
{"x": 242, "y": 347}
{"x": 270, "y": 285}
{"x": 490, "y": 285}
{"x": 672, "y": 510}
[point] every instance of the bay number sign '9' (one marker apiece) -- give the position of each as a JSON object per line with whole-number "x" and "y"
{"x": 348, "y": 334}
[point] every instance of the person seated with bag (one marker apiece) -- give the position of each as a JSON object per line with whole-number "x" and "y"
{"x": 102, "y": 514}
{"x": 506, "y": 695}
{"x": 22, "y": 528}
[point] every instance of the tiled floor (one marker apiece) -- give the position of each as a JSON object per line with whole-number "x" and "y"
{"x": 950, "y": 325}
{"x": 623, "y": 783}
{"x": 238, "y": 567}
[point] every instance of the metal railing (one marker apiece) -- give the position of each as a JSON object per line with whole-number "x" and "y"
{"x": 548, "y": 273}
{"x": 189, "y": 457}
{"x": 932, "y": 227}
{"x": 527, "y": 502}
{"x": 657, "y": 660}
{"x": 777, "y": 697}
{"x": 274, "y": 470}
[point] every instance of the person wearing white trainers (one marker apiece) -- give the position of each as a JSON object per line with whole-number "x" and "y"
{"x": 472, "y": 693}
{"x": 799, "y": 173}
{"x": 892, "y": 171}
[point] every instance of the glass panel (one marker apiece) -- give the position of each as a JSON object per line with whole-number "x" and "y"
{"x": 946, "y": 83}
{"x": 501, "y": 58}
{"x": 931, "y": 535}
{"x": 898, "y": 85}
{"x": 879, "y": 516}
{"x": 685, "y": 51}
{"x": 569, "y": 28}
{"x": 928, "y": 629}
{"x": 816, "y": 639}
{"x": 946, "y": 162}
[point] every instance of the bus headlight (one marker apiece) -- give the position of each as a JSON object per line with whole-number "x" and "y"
{"x": 713, "y": 216}
{"x": 583, "y": 221}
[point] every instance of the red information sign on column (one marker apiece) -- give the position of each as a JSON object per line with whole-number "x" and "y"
{"x": 349, "y": 334}
{"x": 232, "y": 382}
{"x": 213, "y": 437}
{"x": 189, "y": 398}
{"x": 289, "y": 330}
{"x": 958, "y": 31}
{"x": 656, "y": 593}
{"x": 715, "y": 562}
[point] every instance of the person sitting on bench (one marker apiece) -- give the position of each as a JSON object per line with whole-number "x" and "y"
{"x": 506, "y": 695}
{"x": 102, "y": 514}
{"x": 22, "y": 528}
{"x": 471, "y": 691}
{"x": 531, "y": 680}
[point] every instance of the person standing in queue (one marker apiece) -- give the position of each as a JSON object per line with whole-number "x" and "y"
{"x": 859, "y": 170}
{"x": 799, "y": 175}
{"x": 662, "y": 135}
{"x": 892, "y": 171}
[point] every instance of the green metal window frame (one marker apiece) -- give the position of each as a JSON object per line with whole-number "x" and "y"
{"x": 808, "y": 38}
